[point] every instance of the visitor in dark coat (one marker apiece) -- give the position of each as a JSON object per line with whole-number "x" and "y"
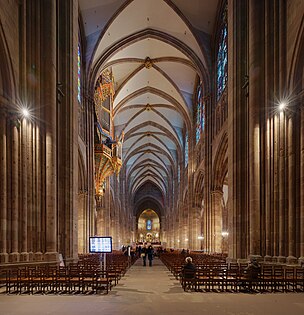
{"x": 150, "y": 253}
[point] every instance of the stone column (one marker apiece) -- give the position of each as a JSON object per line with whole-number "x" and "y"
{"x": 217, "y": 213}
{"x": 3, "y": 189}
{"x": 268, "y": 190}
{"x": 81, "y": 223}
{"x": 302, "y": 181}
{"x": 38, "y": 176}
{"x": 291, "y": 189}
{"x": 14, "y": 255}
{"x": 162, "y": 230}
{"x": 23, "y": 191}
{"x": 256, "y": 101}
{"x": 30, "y": 193}
{"x": 50, "y": 102}
{"x": 196, "y": 229}
{"x": 282, "y": 186}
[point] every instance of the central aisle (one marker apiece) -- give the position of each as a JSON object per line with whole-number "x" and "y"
{"x": 156, "y": 281}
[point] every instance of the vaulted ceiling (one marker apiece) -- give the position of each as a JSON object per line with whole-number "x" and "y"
{"x": 157, "y": 50}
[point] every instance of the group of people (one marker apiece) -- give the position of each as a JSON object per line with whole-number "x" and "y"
{"x": 147, "y": 252}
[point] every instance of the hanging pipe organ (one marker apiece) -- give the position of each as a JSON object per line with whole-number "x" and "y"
{"x": 108, "y": 151}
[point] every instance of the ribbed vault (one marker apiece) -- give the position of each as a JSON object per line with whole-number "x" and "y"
{"x": 156, "y": 60}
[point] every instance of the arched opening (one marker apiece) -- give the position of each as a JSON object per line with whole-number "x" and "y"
{"x": 148, "y": 227}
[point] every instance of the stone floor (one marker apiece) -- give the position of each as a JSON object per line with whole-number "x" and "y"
{"x": 153, "y": 290}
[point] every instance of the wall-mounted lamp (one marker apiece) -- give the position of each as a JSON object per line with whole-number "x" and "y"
{"x": 200, "y": 237}
{"x": 282, "y": 106}
{"x": 225, "y": 234}
{"x": 25, "y": 112}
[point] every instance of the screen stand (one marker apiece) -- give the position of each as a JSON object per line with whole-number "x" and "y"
{"x": 103, "y": 261}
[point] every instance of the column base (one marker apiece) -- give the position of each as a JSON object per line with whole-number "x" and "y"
{"x": 291, "y": 260}
{"x": 24, "y": 256}
{"x": 31, "y": 256}
{"x": 231, "y": 260}
{"x": 282, "y": 259}
{"x": 14, "y": 257}
{"x": 3, "y": 258}
{"x": 38, "y": 256}
{"x": 51, "y": 256}
{"x": 255, "y": 257}
{"x": 274, "y": 259}
{"x": 301, "y": 261}
{"x": 268, "y": 258}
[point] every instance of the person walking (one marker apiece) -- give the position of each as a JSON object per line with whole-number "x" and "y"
{"x": 144, "y": 255}
{"x": 150, "y": 253}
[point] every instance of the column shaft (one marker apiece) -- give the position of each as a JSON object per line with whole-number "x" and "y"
{"x": 14, "y": 255}
{"x": 302, "y": 183}
{"x": 256, "y": 76}
{"x": 3, "y": 190}
{"x": 291, "y": 189}
{"x": 50, "y": 103}
{"x": 23, "y": 192}
{"x": 216, "y": 197}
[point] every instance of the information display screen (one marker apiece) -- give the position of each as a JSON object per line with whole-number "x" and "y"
{"x": 101, "y": 244}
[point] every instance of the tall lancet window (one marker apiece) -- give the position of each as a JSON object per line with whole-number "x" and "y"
{"x": 200, "y": 113}
{"x": 222, "y": 57}
{"x": 79, "y": 74}
{"x": 149, "y": 225}
{"x": 186, "y": 149}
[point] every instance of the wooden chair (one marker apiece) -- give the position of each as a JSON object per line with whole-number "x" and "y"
{"x": 101, "y": 282}
{"x": 289, "y": 279}
{"x": 299, "y": 279}
{"x": 188, "y": 279}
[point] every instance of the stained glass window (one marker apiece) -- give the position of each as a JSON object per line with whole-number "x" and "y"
{"x": 186, "y": 149}
{"x": 79, "y": 75}
{"x": 149, "y": 225}
{"x": 200, "y": 113}
{"x": 222, "y": 58}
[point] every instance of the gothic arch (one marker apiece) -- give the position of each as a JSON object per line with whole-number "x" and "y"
{"x": 297, "y": 65}
{"x": 7, "y": 80}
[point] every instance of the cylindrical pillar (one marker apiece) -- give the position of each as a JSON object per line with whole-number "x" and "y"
{"x": 291, "y": 201}
{"x": 302, "y": 181}
{"x": 256, "y": 100}
{"x": 50, "y": 103}
{"x": 23, "y": 192}
{"x": 3, "y": 190}
{"x": 217, "y": 212}
{"x": 14, "y": 255}
{"x": 282, "y": 185}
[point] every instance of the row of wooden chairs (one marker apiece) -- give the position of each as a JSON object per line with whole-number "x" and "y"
{"x": 213, "y": 274}
{"x": 85, "y": 276}
{"x": 57, "y": 280}
{"x": 287, "y": 279}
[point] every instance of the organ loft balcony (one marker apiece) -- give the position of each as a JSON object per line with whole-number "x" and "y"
{"x": 107, "y": 162}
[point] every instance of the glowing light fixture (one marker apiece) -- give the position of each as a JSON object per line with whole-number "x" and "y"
{"x": 200, "y": 237}
{"x": 225, "y": 234}
{"x": 25, "y": 112}
{"x": 282, "y": 106}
